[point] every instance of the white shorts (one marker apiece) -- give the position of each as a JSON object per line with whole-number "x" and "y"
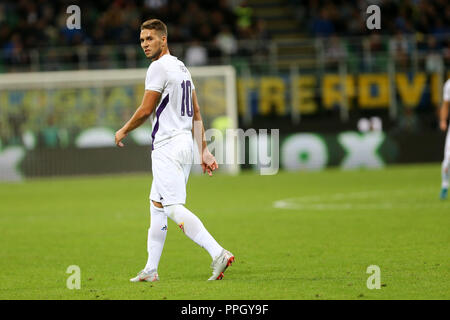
{"x": 447, "y": 147}
{"x": 171, "y": 164}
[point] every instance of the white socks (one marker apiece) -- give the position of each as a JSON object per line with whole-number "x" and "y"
{"x": 205, "y": 240}
{"x": 445, "y": 172}
{"x": 193, "y": 228}
{"x": 187, "y": 221}
{"x": 156, "y": 237}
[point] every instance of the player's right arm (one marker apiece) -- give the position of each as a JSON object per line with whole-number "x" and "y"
{"x": 444, "y": 115}
{"x": 142, "y": 113}
{"x": 155, "y": 81}
{"x": 209, "y": 163}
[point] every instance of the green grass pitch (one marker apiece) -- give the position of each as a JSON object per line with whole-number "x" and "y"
{"x": 295, "y": 236}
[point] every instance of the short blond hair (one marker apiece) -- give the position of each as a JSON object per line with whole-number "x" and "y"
{"x": 155, "y": 24}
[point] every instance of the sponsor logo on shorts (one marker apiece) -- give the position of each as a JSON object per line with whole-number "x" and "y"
{"x": 181, "y": 225}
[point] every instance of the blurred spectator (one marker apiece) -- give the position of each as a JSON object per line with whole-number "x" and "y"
{"x": 433, "y": 60}
{"x": 196, "y": 54}
{"x": 226, "y": 41}
{"x": 49, "y": 133}
{"x": 399, "y": 48}
{"x": 155, "y": 4}
{"x": 261, "y": 39}
{"x": 440, "y": 31}
{"x": 375, "y": 52}
{"x": 16, "y": 120}
{"x": 260, "y": 32}
{"x": 401, "y": 21}
{"x": 14, "y": 51}
{"x": 376, "y": 44}
{"x": 321, "y": 25}
{"x": 244, "y": 15}
{"x": 335, "y": 51}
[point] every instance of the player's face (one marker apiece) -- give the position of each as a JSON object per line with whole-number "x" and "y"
{"x": 152, "y": 43}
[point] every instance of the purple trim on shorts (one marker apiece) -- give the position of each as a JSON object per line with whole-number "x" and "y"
{"x": 158, "y": 113}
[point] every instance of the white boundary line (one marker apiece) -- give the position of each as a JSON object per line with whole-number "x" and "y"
{"x": 325, "y": 202}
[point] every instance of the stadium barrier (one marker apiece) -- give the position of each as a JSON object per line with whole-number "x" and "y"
{"x": 63, "y": 123}
{"x": 298, "y": 151}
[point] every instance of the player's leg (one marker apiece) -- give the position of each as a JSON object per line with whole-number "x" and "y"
{"x": 193, "y": 228}
{"x": 445, "y": 178}
{"x": 172, "y": 164}
{"x": 445, "y": 169}
{"x": 184, "y": 218}
{"x": 156, "y": 236}
{"x": 155, "y": 243}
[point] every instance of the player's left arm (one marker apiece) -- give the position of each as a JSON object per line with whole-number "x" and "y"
{"x": 444, "y": 115}
{"x": 142, "y": 113}
{"x": 209, "y": 163}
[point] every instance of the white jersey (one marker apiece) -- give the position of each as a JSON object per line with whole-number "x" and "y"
{"x": 173, "y": 115}
{"x": 447, "y": 90}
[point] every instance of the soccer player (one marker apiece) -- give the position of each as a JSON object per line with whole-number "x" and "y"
{"x": 443, "y": 125}
{"x": 171, "y": 100}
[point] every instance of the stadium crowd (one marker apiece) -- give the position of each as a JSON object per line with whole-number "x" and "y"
{"x": 211, "y": 28}
{"x": 324, "y": 18}
{"x": 28, "y": 24}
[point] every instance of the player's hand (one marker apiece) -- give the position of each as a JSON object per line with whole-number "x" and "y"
{"x": 209, "y": 163}
{"x": 120, "y": 135}
{"x": 443, "y": 125}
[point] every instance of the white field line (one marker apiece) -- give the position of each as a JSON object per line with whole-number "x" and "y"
{"x": 343, "y": 201}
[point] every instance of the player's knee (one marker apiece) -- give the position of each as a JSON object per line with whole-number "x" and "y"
{"x": 173, "y": 211}
{"x": 170, "y": 211}
{"x": 445, "y": 166}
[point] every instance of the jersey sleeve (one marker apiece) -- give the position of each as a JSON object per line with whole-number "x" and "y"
{"x": 447, "y": 91}
{"x": 156, "y": 77}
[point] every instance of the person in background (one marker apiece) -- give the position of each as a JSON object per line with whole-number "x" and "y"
{"x": 443, "y": 124}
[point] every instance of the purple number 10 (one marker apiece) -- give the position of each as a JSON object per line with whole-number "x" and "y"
{"x": 186, "y": 99}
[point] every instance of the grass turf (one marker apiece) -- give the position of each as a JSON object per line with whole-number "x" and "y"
{"x": 325, "y": 229}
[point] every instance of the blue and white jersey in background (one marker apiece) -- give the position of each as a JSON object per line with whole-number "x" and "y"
{"x": 174, "y": 113}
